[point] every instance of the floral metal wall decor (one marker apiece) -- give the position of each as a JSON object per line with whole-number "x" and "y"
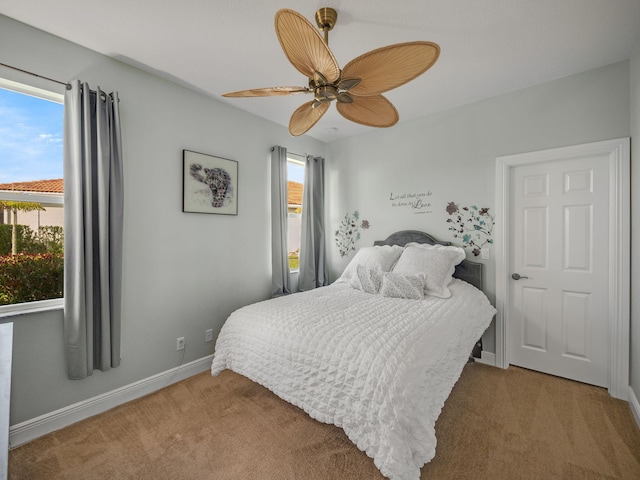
{"x": 473, "y": 225}
{"x": 348, "y": 232}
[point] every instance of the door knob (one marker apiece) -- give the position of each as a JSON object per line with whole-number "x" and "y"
{"x": 517, "y": 276}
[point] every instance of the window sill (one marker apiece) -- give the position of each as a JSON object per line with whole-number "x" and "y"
{"x": 7, "y": 312}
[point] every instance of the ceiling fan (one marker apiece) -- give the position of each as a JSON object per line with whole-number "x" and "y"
{"x": 357, "y": 88}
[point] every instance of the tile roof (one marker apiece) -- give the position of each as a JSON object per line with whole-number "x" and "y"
{"x": 40, "y": 186}
{"x": 294, "y": 196}
{"x": 57, "y": 186}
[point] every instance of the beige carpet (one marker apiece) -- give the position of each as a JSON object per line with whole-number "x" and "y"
{"x": 497, "y": 424}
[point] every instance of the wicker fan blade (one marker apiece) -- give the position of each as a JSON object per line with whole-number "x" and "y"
{"x": 267, "y": 92}
{"x": 306, "y": 116}
{"x": 389, "y": 67}
{"x": 304, "y": 46}
{"x": 373, "y": 111}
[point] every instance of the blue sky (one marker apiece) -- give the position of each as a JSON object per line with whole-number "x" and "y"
{"x": 296, "y": 172}
{"x": 31, "y": 132}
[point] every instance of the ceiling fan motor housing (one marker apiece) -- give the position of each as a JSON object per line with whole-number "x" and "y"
{"x": 326, "y": 18}
{"x": 326, "y": 93}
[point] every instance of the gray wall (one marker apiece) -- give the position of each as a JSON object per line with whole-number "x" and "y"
{"x": 452, "y": 154}
{"x": 183, "y": 272}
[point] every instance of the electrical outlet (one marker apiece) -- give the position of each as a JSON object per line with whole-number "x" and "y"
{"x": 180, "y": 343}
{"x": 485, "y": 253}
{"x": 208, "y": 335}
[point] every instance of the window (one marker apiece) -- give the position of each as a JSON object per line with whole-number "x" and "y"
{"x": 295, "y": 177}
{"x": 31, "y": 197}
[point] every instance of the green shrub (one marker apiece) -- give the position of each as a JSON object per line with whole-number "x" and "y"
{"x": 5, "y": 239}
{"x": 48, "y": 239}
{"x": 28, "y": 241}
{"x": 31, "y": 277}
{"x": 52, "y": 238}
{"x": 294, "y": 261}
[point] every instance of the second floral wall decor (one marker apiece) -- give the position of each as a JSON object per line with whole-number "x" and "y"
{"x": 472, "y": 225}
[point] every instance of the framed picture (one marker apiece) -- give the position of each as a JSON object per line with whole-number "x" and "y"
{"x": 210, "y": 184}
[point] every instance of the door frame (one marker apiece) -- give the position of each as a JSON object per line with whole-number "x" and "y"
{"x": 618, "y": 151}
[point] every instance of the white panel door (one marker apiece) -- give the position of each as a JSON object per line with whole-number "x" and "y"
{"x": 559, "y": 292}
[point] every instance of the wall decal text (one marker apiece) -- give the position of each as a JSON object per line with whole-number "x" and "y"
{"x": 416, "y": 202}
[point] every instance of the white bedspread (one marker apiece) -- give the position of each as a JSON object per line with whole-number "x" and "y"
{"x": 380, "y": 368}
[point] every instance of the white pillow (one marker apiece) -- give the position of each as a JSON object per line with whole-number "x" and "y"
{"x": 381, "y": 258}
{"x": 436, "y": 262}
{"x": 367, "y": 279}
{"x": 402, "y": 286}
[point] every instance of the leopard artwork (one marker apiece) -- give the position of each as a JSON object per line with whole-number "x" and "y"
{"x": 219, "y": 182}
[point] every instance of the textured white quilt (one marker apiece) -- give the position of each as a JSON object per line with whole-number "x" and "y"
{"x": 379, "y": 368}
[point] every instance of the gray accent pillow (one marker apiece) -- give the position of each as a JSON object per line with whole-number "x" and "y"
{"x": 402, "y": 286}
{"x": 367, "y": 279}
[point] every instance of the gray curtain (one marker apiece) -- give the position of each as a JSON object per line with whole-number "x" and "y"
{"x": 280, "y": 279}
{"x": 313, "y": 262}
{"x": 93, "y": 216}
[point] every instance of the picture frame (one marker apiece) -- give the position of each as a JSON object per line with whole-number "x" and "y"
{"x": 210, "y": 184}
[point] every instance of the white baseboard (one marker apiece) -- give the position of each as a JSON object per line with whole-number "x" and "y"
{"x": 36, "y": 427}
{"x": 635, "y": 406}
{"x": 487, "y": 358}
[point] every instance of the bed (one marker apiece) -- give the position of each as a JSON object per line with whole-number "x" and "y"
{"x": 375, "y": 353}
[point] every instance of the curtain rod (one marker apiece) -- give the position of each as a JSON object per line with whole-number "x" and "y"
{"x": 294, "y": 154}
{"x": 67, "y": 85}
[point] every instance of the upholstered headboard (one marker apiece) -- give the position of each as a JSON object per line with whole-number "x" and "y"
{"x": 470, "y": 272}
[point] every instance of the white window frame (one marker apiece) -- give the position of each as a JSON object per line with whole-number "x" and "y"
{"x": 9, "y": 311}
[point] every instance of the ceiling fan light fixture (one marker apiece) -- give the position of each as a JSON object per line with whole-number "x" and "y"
{"x": 326, "y": 93}
{"x": 344, "y": 98}
{"x": 348, "y": 83}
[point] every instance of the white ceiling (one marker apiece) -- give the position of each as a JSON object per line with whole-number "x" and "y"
{"x": 488, "y": 47}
